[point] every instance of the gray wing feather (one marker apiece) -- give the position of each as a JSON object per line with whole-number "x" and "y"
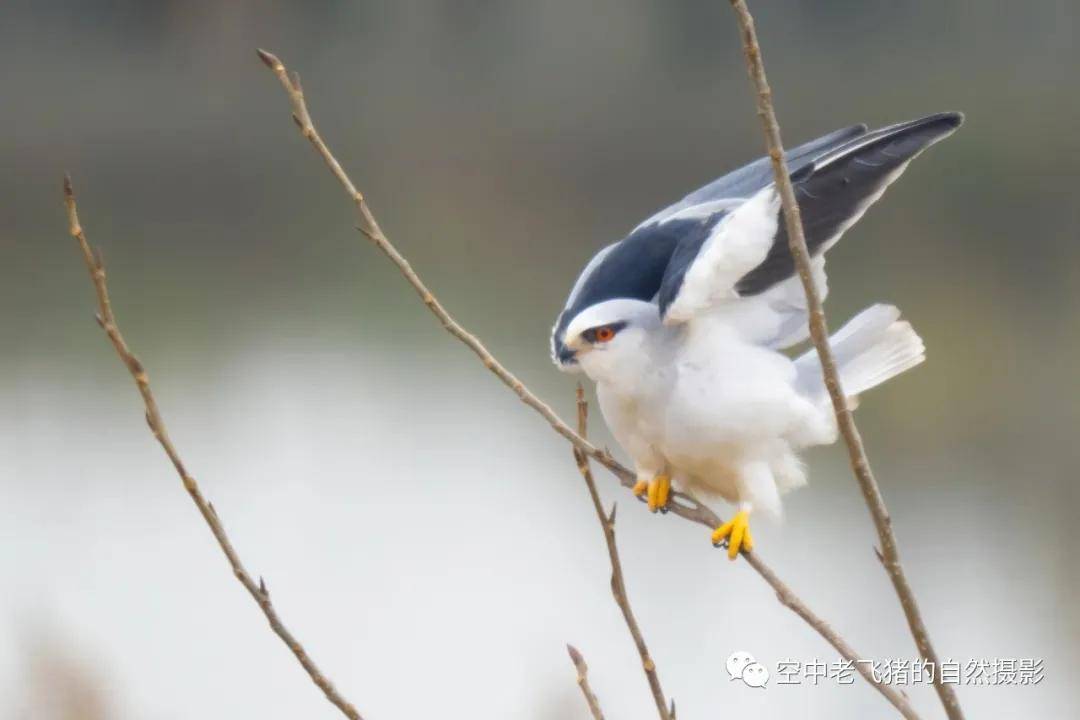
{"x": 754, "y": 176}
{"x": 836, "y": 188}
{"x": 836, "y": 177}
{"x": 634, "y": 267}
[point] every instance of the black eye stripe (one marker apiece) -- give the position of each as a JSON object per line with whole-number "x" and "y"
{"x": 590, "y": 334}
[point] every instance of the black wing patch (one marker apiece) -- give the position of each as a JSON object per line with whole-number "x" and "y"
{"x": 836, "y": 186}
{"x": 635, "y": 267}
{"x": 632, "y": 269}
{"x": 833, "y": 175}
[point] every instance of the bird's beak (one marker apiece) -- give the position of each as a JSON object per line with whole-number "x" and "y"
{"x": 567, "y": 356}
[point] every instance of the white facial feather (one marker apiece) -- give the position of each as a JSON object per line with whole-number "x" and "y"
{"x": 621, "y": 357}
{"x": 625, "y": 310}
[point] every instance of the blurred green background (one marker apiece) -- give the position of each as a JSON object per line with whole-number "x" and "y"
{"x": 426, "y": 535}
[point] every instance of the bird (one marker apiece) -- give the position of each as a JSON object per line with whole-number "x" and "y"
{"x": 687, "y": 326}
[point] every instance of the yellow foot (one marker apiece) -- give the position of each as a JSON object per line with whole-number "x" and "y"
{"x": 659, "y": 489}
{"x": 736, "y": 532}
{"x": 656, "y": 491}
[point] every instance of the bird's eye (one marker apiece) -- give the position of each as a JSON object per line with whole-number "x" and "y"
{"x": 605, "y": 334}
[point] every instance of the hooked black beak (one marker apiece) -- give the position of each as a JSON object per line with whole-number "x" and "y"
{"x": 566, "y": 355}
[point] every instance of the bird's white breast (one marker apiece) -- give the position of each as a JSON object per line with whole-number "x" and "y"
{"x": 707, "y": 402}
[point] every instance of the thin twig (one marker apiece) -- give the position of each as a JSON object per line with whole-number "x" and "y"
{"x": 819, "y": 332}
{"x": 258, "y": 591}
{"x": 583, "y": 682}
{"x": 618, "y": 582}
{"x": 682, "y": 505}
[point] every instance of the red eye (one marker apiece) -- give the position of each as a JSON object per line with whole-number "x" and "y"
{"x": 605, "y": 334}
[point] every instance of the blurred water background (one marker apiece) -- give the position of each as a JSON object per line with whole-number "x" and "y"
{"x": 424, "y": 534}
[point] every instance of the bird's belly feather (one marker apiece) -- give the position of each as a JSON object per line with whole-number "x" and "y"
{"x": 712, "y": 410}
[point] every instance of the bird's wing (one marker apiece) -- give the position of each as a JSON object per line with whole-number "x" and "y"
{"x": 742, "y": 268}
{"x": 750, "y": 178}
{"x": 631, "y": 268}
{"x": 635, "y": 266}
{"x": 653, "y": 261}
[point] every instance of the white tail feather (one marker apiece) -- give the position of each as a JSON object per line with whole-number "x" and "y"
{"x": 871, "y": 348}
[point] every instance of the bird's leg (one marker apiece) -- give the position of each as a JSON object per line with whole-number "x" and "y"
{"x": 656, "y": 489}
{"x": 735, "y": 532}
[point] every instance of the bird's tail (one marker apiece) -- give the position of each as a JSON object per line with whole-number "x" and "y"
{"x": 872, "y": 347}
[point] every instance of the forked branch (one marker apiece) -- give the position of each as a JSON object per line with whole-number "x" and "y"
{"x": 618, "y": 581}
{"x": 819, "y": 332}
{"x": 107, "y": 320}
{"x": 680, "y": 504}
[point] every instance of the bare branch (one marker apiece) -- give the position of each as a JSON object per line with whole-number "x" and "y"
{"x": 682, "y": 505}
{"x": 370, "y": 227}
{"x": 583, "y": 682}
{"x": 618, "y": 582}
{"x": 819, "y": 332}
{"x": 257, "y": 590}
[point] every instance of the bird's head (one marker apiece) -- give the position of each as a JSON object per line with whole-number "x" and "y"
{"x": 604, "y": 336}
